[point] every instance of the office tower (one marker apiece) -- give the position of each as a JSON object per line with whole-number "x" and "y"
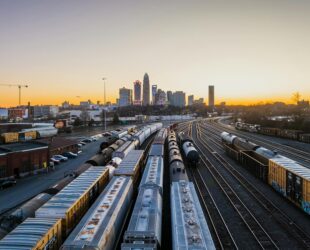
{"x": 178, "y": 99}
{"x": 190, "y": 100}
{"x": 154, "y": 91}
{"x": 211, "y": 96}
{"x": 160, "y": 98}
{"x": 169, "y": 97}
{"x": 125, "y": 97}
{"x": 146, "y": 90}
{"x": 137, "y": 93}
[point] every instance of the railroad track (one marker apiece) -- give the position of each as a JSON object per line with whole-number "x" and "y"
{"x": 282, "y": 219}
{"x": 256, "y": 229}
{"x": 287, "y": 150}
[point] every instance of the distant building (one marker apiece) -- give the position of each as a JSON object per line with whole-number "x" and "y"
{"x": 137, "y": 93}
{"x": 169, "y": 97}
{"x": 199, "y": 101}
{"x": 190, "y": 100}
{"x": 146, "y": 90}
{"x": 178, "y": 99}
{"x": 125, "y": 97}
{"x": 211, "y": 96}
{"x": 65, "y": 105}
{"x": 303, "y": 104}
{"x": 43, "y": 111}
{"x": 160, "y": 98}
{"x": 4, "y": 114}
{"x": 17, "y": 113}
{"x": 154, "y": 91}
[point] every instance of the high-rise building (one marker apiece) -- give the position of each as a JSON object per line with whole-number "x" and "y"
{"x": 169, "y": 97}
{"x": 137, "y": 93}
{"x": 146, "y": 90}
{"x": 211, "y": 96}
{"x": 154, "y": 91}
{"x": 125, "y": 97}
{"x": 190, "y": 100}
{"x": 160, "y": 98}
{"x": 178, "y": 99}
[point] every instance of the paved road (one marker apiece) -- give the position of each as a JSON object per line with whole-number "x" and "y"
{"x": 31, "y": 186}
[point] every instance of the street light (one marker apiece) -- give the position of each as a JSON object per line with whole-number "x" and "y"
{"x": 105, "y": 116}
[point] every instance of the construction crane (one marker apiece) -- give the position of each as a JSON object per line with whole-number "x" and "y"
{"x": 19, "y": 89}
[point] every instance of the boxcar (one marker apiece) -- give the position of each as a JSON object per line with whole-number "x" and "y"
{"x": 304, "y": 138}
{"x": 100, "y": 227}
{"x": 232, "y": 153}
{"x": 34, "y": 233}
{"x": 71, "y": 203}
{"x": 145, "y": 222}
{"x": 269, "y": 131}
{"x": 291, "y": 180}
{"x": 122, "y": 151}
{"x": 131, "y": 165}
{"x": 289, "y": 133}
{"x": 189, "y": 227}
{"x": 154, "y": 173}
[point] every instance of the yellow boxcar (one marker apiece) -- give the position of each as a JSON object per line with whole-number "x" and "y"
{"x": 292, "y": 180}
{"x": 9, "y": 137}
{"x": 35, "y": 234}
{"x": 71, "y": 203}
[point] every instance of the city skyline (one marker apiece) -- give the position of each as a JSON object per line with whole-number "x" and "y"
{"x": 251, "y": 52}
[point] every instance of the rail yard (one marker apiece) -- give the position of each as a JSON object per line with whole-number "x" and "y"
{"x": 192, "y": 185}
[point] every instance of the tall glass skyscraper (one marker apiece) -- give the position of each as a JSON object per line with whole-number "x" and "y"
{"x": 146, "y": 90}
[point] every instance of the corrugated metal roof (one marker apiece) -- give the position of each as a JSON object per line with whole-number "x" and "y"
{"x": 27, "y": 234}
{"x": 154, "y": 172}
{"x": 61, "y": 202}
{"x": 292, "y": 166}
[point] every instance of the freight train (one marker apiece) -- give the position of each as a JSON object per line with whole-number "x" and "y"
{"x": 144, "y": 229}
{"x": 286, "y": 176}
{"x": 30, "y": 207}
{"x": 292, "y": 134}
{"x": 189, "y": 227}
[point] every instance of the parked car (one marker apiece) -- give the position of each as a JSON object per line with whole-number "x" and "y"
{"x": 69, "y": 155}
{"x": 94, "y": 138}
{"x": 7, "y": 183}
{"x": 82, "y": 143}
{"x": 60, "y": 157}
{"x": 56, "y": 161}
{"x": 107, "y": 134}
{"x": 79, "y": 152}
{"x": 86, "y": 140}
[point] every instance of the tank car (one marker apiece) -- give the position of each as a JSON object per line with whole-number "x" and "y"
{"x": 190, "y": 152}
{"x": 228, "y": 138}
{"x": 243, "y": 144}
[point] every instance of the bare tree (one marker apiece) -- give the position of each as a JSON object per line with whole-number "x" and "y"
{"x": 296, "y": 97}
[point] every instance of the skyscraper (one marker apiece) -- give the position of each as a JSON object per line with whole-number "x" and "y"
{"x": 146, "y": 90}
{"x": 190, "y": 100}
{"x": 154, "y": 91}
{"x": 178, "y": 99}
{"x": 211, "y": 96}
{"x": 125, "y": 97}
{"x": 160, "y": 98}
{"x": 169, "y": 97}
{"x": 137, "y": 93}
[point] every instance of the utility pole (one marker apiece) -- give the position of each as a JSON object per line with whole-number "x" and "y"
{"x": 19, "y": 90}
{"x": 105, "y": 115}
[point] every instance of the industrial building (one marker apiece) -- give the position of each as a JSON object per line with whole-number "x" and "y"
{"x": 23, "y": 158}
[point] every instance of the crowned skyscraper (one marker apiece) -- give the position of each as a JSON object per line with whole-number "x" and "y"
{"x": 146, "y": 90}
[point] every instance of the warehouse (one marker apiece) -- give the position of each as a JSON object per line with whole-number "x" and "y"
{"x": 22, "y": 159}
{"x": 59, "y": 145}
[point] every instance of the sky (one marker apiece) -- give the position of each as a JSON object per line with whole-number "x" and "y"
{"x": 251, "y": 51}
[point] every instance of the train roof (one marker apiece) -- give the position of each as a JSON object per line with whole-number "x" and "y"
{"x": 292, "y": 166}
{"x": 156, "y": 150}
{"x": 130, "y": 163}
{"x": 145, "y": 221}
{"x": 189, "y": 227}
{"x": 58, "y": 205}
{"x": 154, "y": 172}
{"x": 95, "y": 226}
{"x": 28, "y": 234}
{"x": 267, "y": 153}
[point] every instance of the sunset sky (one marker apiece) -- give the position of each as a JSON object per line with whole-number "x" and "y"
{"x": 250, "y": 50}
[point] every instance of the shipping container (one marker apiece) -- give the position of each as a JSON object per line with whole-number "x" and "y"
{"x": 36, "y": 234}
{"x": 71, "y": 203}
{"x": 101, "y": 226}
